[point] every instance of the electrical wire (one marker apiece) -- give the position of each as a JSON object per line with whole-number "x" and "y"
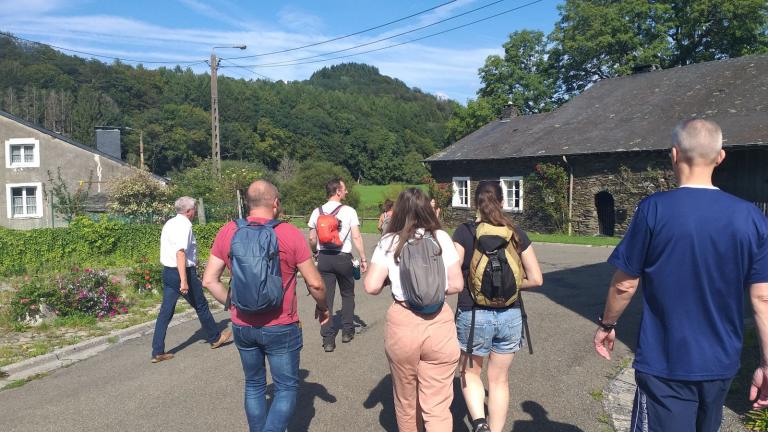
{"x": 296, "y": 62}
{"x": 382, "y": 39}
{"x": 246, "y": 68}
{"x": 188, "y": 63}
{"x": 347, "y": 35}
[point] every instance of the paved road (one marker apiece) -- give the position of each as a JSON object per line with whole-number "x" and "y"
{"x": 350, "y": 389}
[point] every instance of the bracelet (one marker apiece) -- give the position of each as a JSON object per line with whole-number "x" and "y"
{"x": 607, "y": 327}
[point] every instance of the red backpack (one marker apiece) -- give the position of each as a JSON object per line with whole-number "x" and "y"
{"x": 328, "y": 227}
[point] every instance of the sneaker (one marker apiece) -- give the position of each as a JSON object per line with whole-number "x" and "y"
{"x": 329, "y": 346}
{"x": 162, "y": 357}
{"x": 347, "y": 336}
{"x": 226, "y": 335}
{"x": 481, "y": 426}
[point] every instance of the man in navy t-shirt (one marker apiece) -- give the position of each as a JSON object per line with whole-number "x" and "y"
{"x": 695, "y": 250}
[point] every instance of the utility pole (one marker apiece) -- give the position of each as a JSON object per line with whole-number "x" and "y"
{"x": 141, "y": 149}
{"x": 215, "y": 136}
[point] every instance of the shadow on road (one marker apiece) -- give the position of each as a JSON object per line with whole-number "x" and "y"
{"x": 305, "y": 402}
{"x": 539, "y": 421}
{"x": 583, "y": 290}
{"x": 382, "y": 394}
{"x": 199, "y": 335}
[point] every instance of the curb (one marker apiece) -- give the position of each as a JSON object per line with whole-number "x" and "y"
{"x": 71, "y": 354}
{"x": 619, "y": 397}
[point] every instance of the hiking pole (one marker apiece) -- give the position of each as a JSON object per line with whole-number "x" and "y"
{"x": 525, "y": 324}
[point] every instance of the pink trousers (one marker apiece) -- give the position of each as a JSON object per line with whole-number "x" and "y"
{"x": 423, "y": 354}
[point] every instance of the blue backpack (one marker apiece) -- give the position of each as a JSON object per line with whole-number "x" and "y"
{"x": 257, "y": 283}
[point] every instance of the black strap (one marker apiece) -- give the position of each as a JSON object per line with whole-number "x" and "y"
{"x": 527, "y": 334}
{"x": 471, "y": 338}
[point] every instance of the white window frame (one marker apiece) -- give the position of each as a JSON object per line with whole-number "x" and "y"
{"x": 38, "y": 200}
{"x": 456, "y": 200}
{"x": 504, "y": 190}
{"x": 22, "y": 142}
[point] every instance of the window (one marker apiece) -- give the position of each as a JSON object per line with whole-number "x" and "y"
{"x": 512, "y": 187}
{"x": 22, "y": 153}
{"x": 25, "y": 200}
{"x": 460, "y": 192}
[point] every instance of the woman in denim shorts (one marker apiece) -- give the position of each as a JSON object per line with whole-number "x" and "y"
{"x": 498, "y": 332}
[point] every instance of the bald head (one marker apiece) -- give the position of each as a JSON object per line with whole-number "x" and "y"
{"x": 261, "y": 193}
{"x": 698, "y": 141}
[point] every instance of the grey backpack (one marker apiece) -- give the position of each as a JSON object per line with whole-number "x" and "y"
{"x": 422, "y": 274}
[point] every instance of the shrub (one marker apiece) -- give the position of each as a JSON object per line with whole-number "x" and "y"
{"x": 140, "y": 197}
{"x": 86, "y": 292}
{"x": 546, "y": 195}
{"x": 306, "y": 190}
{"x": 146, "y": 277}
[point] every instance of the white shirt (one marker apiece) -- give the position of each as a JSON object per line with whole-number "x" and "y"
{"x": 177, "y": 235}
{"x": 348, "y": 217}
{"x": 384, "y": 254}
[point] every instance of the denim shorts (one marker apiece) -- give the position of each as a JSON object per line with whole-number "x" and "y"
{"x": 498, "y": 330}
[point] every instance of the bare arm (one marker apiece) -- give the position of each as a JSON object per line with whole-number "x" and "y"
{"x": 374, "y": 280}
{"x": 623, "y": 287}
{"x": 455, "y": 278}
{"x": 758, "y": 391}
{"x": 380, "y": 223}
{"x": 357, "y": 240}
{"x": 316, "y": 289}
{"x": 533, "y": 276}
{"x": 313, "y": 240}
{"x": 181, "y": 266}
{"x": 212, "y": 278}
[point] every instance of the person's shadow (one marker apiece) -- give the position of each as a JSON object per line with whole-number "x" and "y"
{"x": 539, "y": 421}
{"x": 360, "y": 325}
{"x": 305, "y": 402}
{"x": 199, "y": 335}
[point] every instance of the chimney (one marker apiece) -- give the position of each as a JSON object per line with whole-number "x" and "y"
{"x": 108, "y": 141}
{"x": 509, "y": 111}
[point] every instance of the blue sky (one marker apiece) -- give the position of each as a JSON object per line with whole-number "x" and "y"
{"x": 186, "y": 30}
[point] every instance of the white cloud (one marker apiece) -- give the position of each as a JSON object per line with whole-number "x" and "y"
{"x": 295, "y": 19}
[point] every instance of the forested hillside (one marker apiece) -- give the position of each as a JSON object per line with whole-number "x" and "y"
{"x": 350, "y": 114}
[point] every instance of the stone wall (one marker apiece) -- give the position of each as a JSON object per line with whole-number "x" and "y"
{"x": 628, "y": 177}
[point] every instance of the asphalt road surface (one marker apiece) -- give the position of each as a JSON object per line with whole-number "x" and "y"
{"x": 556, "y": 389}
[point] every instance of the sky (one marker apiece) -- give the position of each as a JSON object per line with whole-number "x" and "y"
{"x": 186, "y": 31}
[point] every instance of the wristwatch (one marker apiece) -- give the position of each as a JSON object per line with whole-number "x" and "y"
{"x": 605, "y": 326}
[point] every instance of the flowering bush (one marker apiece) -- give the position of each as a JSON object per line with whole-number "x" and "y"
{"x": 86, "y": 291}
{"x": 146, "y": 277}
{"x": 546, "y": 195}
{"x": 441, "y": 192}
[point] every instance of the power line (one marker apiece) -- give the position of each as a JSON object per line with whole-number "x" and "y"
{"x": 399, "y": 44}
{"x": 246, "y": 68}
{"x": 382, "y": 39}
{"x": 188, "y": 63}
{"x": 347, "y": 35}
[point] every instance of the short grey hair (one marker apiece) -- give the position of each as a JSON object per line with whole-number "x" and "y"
{"x": 183, "y": 204}
{"x": 698, "y": 140}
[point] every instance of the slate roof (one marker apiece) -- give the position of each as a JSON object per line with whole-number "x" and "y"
{"x": 71, "y": 141}
{"x": 633, "y": 113}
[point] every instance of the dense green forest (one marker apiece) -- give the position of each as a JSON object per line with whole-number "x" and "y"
{"x": 375, "y": 126}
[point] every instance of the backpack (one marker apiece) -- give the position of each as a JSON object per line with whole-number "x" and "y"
{"x": 422, "y": 274}
{"x": 257, "y": 283}
{"x": 328, "y": 228}
{"x": 385, "y": 223}
{"x": 496, "y": 271}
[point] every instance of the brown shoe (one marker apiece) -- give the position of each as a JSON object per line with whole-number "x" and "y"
{"x": 226, "y": 335}
{"x": 162, "y": 357}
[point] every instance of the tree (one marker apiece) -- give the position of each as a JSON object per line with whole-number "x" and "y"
{"x": 466, "y": 120}
{"x": 306, "y": 191}
{"x": 598, "y": 39}
{"x": 523, "y": 76}
{"x": 69, "y": 204}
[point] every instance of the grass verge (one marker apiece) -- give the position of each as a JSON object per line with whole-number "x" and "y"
{"x": 577, "y": 240}
{"x": 18, "y": 383}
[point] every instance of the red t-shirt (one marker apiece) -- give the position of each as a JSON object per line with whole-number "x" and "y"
{"x": 293, "y": 251}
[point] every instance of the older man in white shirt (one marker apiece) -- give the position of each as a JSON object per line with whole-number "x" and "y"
{"x": 178, "y": 254}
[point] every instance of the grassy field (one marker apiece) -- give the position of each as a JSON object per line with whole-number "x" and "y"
{"x": 372, "y": 196}
{"x": 580, "y": 240}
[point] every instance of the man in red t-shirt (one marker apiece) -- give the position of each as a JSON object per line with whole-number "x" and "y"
{"x": 274, "y": 334}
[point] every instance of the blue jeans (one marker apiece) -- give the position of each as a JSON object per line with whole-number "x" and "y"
{"x": 195, "y": 298}
{"x": 281, "y": 346}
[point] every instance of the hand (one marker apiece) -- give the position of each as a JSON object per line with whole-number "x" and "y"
{"x": 758, "y": 391}
{"x": 184, "y": 288}
{"x": 604, "y": 342}
{"x": 322, "y": 315}
{"x": 363, "y": 265}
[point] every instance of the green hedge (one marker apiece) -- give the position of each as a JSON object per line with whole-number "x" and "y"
{"x": 86, "y": 243}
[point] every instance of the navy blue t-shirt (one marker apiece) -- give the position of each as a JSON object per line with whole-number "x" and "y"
{"x": 696, "y": 251}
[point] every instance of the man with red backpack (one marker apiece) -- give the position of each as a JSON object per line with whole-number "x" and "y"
{"x": 333, "y": 227}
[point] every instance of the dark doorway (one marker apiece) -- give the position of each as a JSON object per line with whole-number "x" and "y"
{"x": 606, "y": 213}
